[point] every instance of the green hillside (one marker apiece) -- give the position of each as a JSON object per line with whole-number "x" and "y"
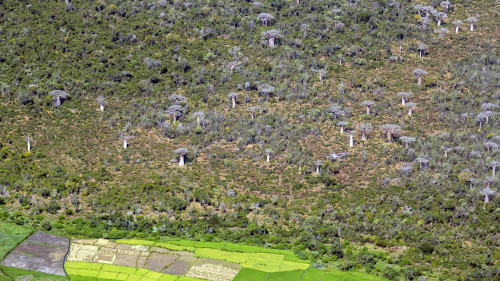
{"x": 110, "y": 95}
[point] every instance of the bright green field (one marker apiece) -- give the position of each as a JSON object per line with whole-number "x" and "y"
{"x": 83, "y": 271}
{"x": 11, "y": 235}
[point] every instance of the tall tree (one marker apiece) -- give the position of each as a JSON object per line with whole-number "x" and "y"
{"x": 419, "y": 73}
{"x": 28, "y": 140}
{"x": 457, "y": 23}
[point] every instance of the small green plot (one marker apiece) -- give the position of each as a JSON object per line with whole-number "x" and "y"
{"x": 248, "y": 274}
{"x": 11, "y": 235}
{"x": 295, "y": 275}
{"x": 313, "y": 274}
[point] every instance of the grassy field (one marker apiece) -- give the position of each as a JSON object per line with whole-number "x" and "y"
{"x": 82, "y": 271}
{"x": 10, "y": 236}
{"x": 10, "y": 273}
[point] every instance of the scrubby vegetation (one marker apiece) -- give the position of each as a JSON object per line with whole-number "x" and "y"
{"x": 362, "y": 135}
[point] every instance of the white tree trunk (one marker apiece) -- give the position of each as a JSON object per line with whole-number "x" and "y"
{"x": 420, "y": 53}
{"x": 268, "y": 158}
{"x": 271, "y": 42}
{"x": 317, "y": 169}
{"x": 58, "y": 101}
{"x": 419, "y": 82}
{"x": 174, "y": 118}
{"x": 181, "y": 160}
{"x": 29, "y": 146}
{"x": 198, "y": 121}
{"x": 342, "y": 129}
{"x": 101, "y": 107}
{"x": 403, "y": 102}
{"x": 486, "y": 199}
{"x": 125, "y": 145}
{"x": 233, "y": 99}
{"x": 456, "y": 30}
{"x": 471, "y": 26}
{"x": 351, "y": 141}
{"x": 409, "y": 111}
{"x": 368, "y": 110}
{"x": 363, "y": 136}
{"x": 389, "y": 136}
{"x": 439, "y": 22}
{"x": 493, "y": 171}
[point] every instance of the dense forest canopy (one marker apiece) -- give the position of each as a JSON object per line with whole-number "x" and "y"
{"x": 361, "y": 134}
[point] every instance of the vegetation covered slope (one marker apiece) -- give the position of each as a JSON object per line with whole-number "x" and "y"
{"x": 236, "y": 83}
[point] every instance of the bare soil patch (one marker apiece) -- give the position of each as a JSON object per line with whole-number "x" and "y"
{"x": 41, "y": 252}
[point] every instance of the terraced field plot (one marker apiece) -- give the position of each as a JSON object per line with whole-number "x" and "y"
{"x": 41, "y": 252}
{"x": 151, "y": 258}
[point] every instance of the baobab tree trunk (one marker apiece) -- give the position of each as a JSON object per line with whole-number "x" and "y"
{"x": 271, "y": 42}
{"x": 419, "y": 82}
{"x": 181, "y": 160}
{"x": 351, "y": 141}
{"x": 29, "y": 146}
{"x": 268, "y": 156}
{"x": 125, "y": 145}
{"x": 101, "y": 107}
{"x": 233, "y": 99}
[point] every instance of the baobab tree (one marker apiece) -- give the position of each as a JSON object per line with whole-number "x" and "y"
{"x": 102, "y": 101}
{"x": 442, "y": 31}
{"x": 487, "y": 192}
{"x": 304, "y": 28}
{"x": 272, "y": 35}
{"x": 367, "y": 104}
{"x": 336, "y": 111}
{"x": 28, "y": 140}
{"x": 489, "y": 145}
{"x": 422, "y": 161}
{"x": 182, "y": 152}
{"x": 265, "y": 18}
{"x": 493, "y": 165}
{"x": 405, "y": 96}
{"x": 317, "y": 163}
{"x": 58, "y": 95}
{"x": 406, "y": 168}
{"x": 177, "y": 99}
{"x": 342, "y": 125}
{"x": 439, "y": 16}
{"x": 421, "y": 49}
{"x": 407, "y": 140}
{"x": 253, "y": 110}
{"x": 424, "y": 21}
{"x": 446, "y": 5}
{"x": 366, "y": 129}
{"x": 411, "y": 106}
{"x": 266, "y": 90}
{"x": 174, "y": 110}
{"x": 268, "y": 151}
{"x": 200, "y": 116}
{"x": 419, "y": 73}
{"x": 471, "y": 20}
{"x": 233, "y": 97}
{"x": 125, "y": 139}
{"x": 457, "y": 23}
{"x": 351, "y": 137}
{"x": 321, "y": 72}
{"x": 481, "y": 118}
{"x": 390, "y": 130}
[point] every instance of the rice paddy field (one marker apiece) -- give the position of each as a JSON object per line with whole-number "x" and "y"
{"x": 168, "y": 260}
